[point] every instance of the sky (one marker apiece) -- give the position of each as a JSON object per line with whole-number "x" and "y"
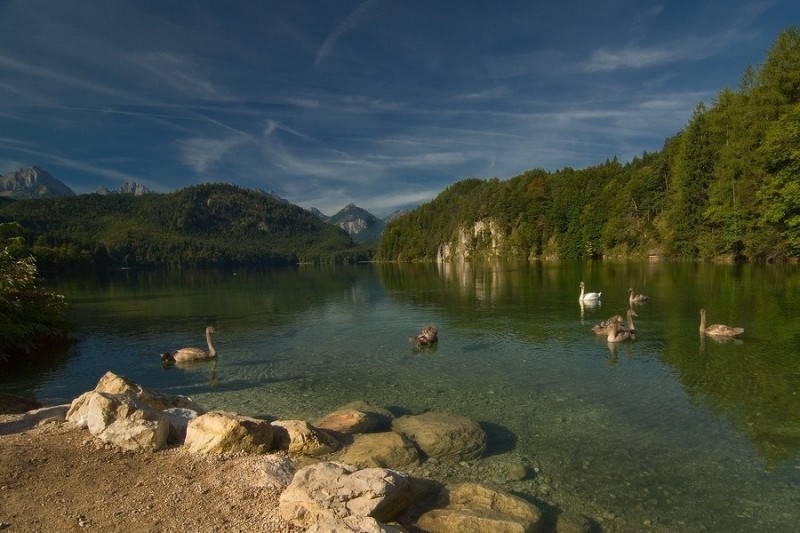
{"x": 380, "y": 103}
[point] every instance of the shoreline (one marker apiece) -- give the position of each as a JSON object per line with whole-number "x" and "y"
{"x": 57, "y": 477}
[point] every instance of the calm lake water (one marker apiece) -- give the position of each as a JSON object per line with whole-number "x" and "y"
{"x": 671, "y": 432}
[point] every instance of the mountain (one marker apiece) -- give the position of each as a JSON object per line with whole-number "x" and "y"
{"x": 360, "y": 224}
{"x": 394, "y": 215}
{"x": 319, "y": 214}
{"x": 34, "y": 182}
{"x": 203, "y": 225}
{"x": 129, "y": 187}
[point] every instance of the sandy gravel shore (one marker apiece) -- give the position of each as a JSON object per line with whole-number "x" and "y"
{"x": 55, "y": 477}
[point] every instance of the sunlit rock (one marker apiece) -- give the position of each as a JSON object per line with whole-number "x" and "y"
{"x": 112, "y": 383}
{"x": 300, "y": 437}
{"x": 221, "y": 432}
{"x": 278, "y": 471}
{"x": 125, "y": 422}
{"x": 330, "y": 489}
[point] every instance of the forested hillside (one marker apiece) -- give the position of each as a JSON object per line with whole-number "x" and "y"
{"x": 204, "y": 225}
{"x": 727, "y": 186}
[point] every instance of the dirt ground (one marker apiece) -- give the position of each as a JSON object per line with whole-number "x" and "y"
{"x": 57, "y": 478}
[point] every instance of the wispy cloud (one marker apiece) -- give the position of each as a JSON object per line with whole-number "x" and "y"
{"x": 201, "y": 153}
{"x": 273, "y": 126}
{"x": 176, "y": 71}
{"x": 47, "y": 75}
{"x": 607, "y": 60}
{"x": 683, "y": 49}
{"x": 413, "y": 197}
{"x": 350, "y": 24}
{"x": 376, "y": 202}
{"x": 305, "y": 103}
{"x": 347, "y": 103}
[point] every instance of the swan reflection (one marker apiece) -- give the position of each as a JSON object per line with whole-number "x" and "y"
{"x": 589, "y": 304}
{"x": 614, "y": 349}
{"x": 202, "y": 366}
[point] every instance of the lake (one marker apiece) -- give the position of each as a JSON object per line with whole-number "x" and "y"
{"x": 670, "y": 432}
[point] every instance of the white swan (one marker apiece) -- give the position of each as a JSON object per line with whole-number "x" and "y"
{"x": 636, "y": 298}
{"x": 192, "y": 354}
{"x": 588, "y": 296}
{"x": 719, "y": 330}
{"x": 616, "y": 334}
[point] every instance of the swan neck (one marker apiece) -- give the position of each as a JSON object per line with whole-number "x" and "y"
{"x": 612, "y": 333}
{"x": 211, "y": 350}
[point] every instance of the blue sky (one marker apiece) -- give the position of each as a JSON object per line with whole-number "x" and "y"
{"x": 382, "y": 103}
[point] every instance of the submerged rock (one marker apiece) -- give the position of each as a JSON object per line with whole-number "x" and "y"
{"x": 443, "y": 435}
{"x": 355, "y": 417}
{"x": 475, "y": 507}
{"x": 381, "y": 450}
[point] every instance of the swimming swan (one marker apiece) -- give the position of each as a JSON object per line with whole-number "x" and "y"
{"x": 192, "y": 354}
{"x": 636, "y": 298}
{"x": 428, "y": 337}
{"x": 588, "y": 295}
{"x": 719, "y": 330}
{"x": 617, "y": 335}
{"x": 604, "y": 328}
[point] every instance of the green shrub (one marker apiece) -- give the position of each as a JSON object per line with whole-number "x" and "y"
{"x": 30, "y": 316}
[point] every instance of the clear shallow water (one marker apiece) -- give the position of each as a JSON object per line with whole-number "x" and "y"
{"x": 669, "y": 433}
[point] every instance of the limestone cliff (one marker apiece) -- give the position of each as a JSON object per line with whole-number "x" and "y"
{"x": 485, "y": 240}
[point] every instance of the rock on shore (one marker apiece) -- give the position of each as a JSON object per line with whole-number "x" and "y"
{"x": 343, "y": 473}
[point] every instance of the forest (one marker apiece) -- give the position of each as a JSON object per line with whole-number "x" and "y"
{"x": 726, "y": 187}
{"x": 204, "y": 225}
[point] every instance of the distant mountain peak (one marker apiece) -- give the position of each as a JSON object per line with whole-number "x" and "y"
{"x": 319, "y": 214}
{"x": 129, "y": 187}
{"x": 394, "y": 215}
{"x": 33, "y": 182}
{"x": 359, "y": 223}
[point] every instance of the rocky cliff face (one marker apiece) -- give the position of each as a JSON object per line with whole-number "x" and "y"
{"x": 34, "y": 182}
{"x": 484, "y": 240}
